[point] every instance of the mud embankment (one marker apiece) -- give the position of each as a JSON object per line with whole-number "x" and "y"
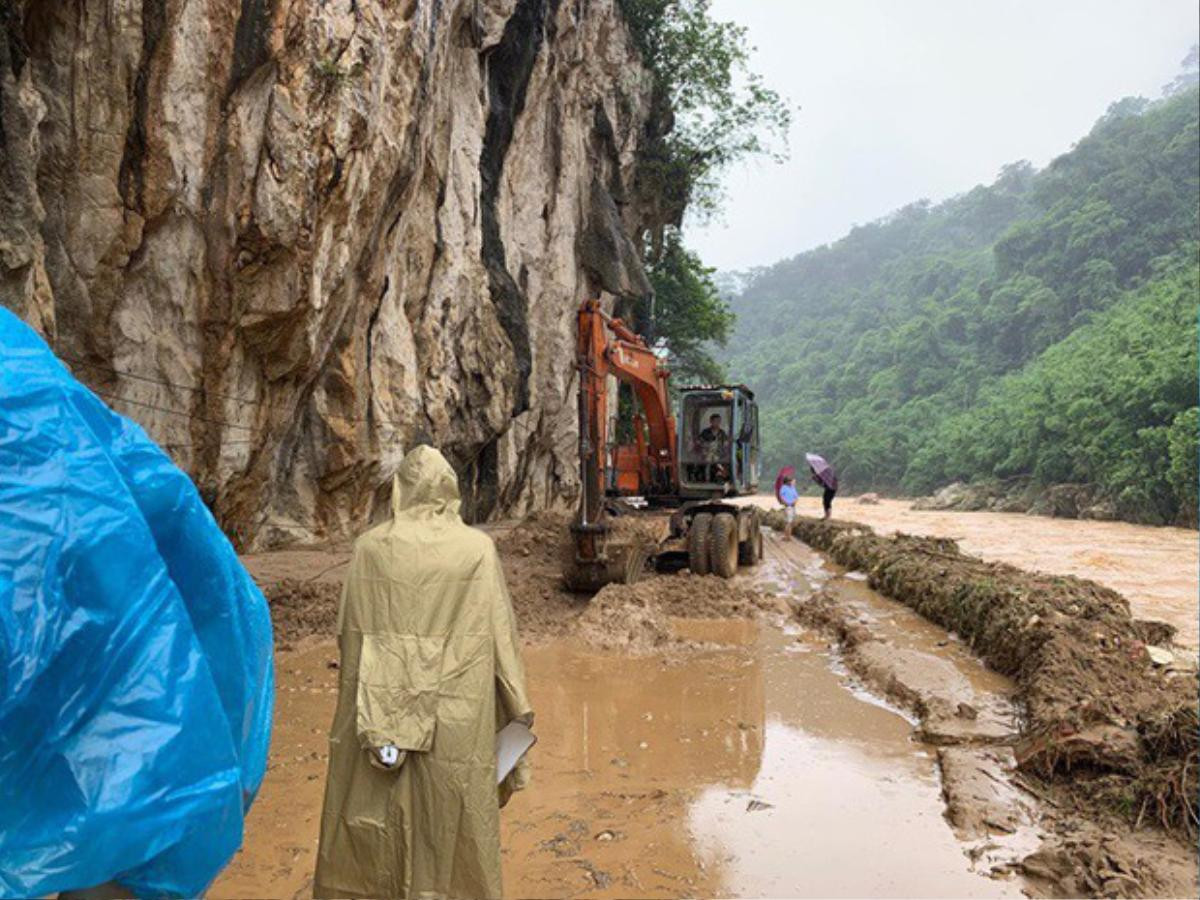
{"x": 1154, "y": 568}
{"x": 1104, "y": 723}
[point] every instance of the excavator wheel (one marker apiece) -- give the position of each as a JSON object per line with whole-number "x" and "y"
{"x": 697, "y": 543}
{"x": 723, "y": 545}
{"x": 750, "y": 551}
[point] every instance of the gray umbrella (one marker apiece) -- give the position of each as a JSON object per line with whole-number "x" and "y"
{"x": 823, "y": 470}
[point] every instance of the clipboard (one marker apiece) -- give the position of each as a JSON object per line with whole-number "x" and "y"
{"x": 512, "y": 742}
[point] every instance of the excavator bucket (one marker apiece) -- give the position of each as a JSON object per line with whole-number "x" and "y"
{"x": 613, "y": 552}
{"x": 620, "y": 563}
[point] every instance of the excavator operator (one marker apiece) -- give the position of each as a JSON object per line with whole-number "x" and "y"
{"x": 714, "y": 443}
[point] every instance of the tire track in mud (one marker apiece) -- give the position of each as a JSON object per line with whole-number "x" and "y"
{"x": 961, "y": 709}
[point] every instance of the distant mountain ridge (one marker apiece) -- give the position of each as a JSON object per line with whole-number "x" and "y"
{"x": 924, "y": 348}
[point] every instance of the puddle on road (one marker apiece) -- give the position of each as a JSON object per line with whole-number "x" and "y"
{"x": 750, "y": 770}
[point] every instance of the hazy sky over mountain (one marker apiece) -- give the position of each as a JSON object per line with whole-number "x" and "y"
{"x": 904, "y": 99}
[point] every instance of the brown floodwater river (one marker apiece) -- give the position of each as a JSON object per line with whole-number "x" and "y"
{"x": 1157, "y": 569}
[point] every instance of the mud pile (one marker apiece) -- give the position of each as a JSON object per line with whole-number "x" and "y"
{"x": 1103, "y": 721}
{"x": 633, "y": 618}
{"x": 693, "y": 596}
{"x": 301, "y": 609}
{"x": 531, "y": 553}
{"x": 636, "y": 617}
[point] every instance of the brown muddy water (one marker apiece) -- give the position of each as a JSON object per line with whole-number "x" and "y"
{"x": 1157, "y": 569}
{"x": 753, "y": 770}
{"x": 751, "y": 764}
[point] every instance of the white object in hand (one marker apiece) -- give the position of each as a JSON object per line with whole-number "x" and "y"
{"x": 512, "y": 742}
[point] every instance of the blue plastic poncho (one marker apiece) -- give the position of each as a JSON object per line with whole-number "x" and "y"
{"x": 135, "y": 651}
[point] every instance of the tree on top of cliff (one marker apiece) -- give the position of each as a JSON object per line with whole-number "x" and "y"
{"x": 710, "y": 108}
{"x": 709, "y": 111}
{"x": 690, "y": 313}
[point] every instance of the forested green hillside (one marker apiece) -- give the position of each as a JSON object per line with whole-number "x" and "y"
{"x": 1043, "y": 325}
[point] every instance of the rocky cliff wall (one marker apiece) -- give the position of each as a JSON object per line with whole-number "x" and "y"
{"x": 292, "y": 238}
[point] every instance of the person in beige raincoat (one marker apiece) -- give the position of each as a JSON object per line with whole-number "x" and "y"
{"x": 430, "y": 666}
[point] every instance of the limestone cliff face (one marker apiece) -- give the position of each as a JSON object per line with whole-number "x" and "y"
{"x": 295, "y": 237}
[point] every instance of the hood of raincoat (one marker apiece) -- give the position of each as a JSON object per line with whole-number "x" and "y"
{"x": 430, "y": 665}
{"x": 425, "y": 486}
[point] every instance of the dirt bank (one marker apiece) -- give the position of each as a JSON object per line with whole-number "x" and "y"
{"x": 1104, "y": 722}
{"x": 304, "y": 587}
{"x": 1156, "y": 569}
{"x": 1064, "y": 500}
{"x": 635, "y": 619}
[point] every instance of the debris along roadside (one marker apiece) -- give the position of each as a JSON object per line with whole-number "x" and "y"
{"x": 1104, "y": 726}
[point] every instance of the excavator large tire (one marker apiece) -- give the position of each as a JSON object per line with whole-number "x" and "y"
{"x": 723, "y": 545}
{"x": 697, "y": 543}
{"x": 750, "y": 551}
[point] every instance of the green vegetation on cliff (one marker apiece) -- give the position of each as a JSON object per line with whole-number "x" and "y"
{"x": 710, "y": 110}
{"x": 1043, "y": 326}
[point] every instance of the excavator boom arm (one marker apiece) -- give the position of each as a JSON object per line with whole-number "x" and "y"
{"x": 606, "y": 346}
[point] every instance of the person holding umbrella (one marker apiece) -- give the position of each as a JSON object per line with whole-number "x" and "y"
{"x": 789, "y": 495}
{"x": 823, "y": 474}
{"x": 786, "y": 494}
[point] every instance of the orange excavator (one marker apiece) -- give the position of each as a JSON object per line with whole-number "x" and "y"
{"x": 692, "y": 465}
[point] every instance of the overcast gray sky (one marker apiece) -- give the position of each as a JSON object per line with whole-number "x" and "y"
{"x": 904, "y": 99}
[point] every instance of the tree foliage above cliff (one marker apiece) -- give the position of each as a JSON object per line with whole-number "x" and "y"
{"x": 690, "y": 315}
{"x": 711, "y": 108}
{"x": 888, "y": 351}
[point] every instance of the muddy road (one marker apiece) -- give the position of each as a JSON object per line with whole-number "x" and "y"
{"x": 738, "y": 759}
{"x": 1157, "y": 569}
{"x": 753, "y": 766}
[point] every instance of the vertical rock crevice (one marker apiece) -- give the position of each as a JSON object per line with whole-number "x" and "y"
{"x": 250, "y": 41}
{"x": 130, "y": 176}
{"x": 509, "y": 68}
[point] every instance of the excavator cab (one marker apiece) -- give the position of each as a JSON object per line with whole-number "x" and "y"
{"x": 718, "y": 441}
